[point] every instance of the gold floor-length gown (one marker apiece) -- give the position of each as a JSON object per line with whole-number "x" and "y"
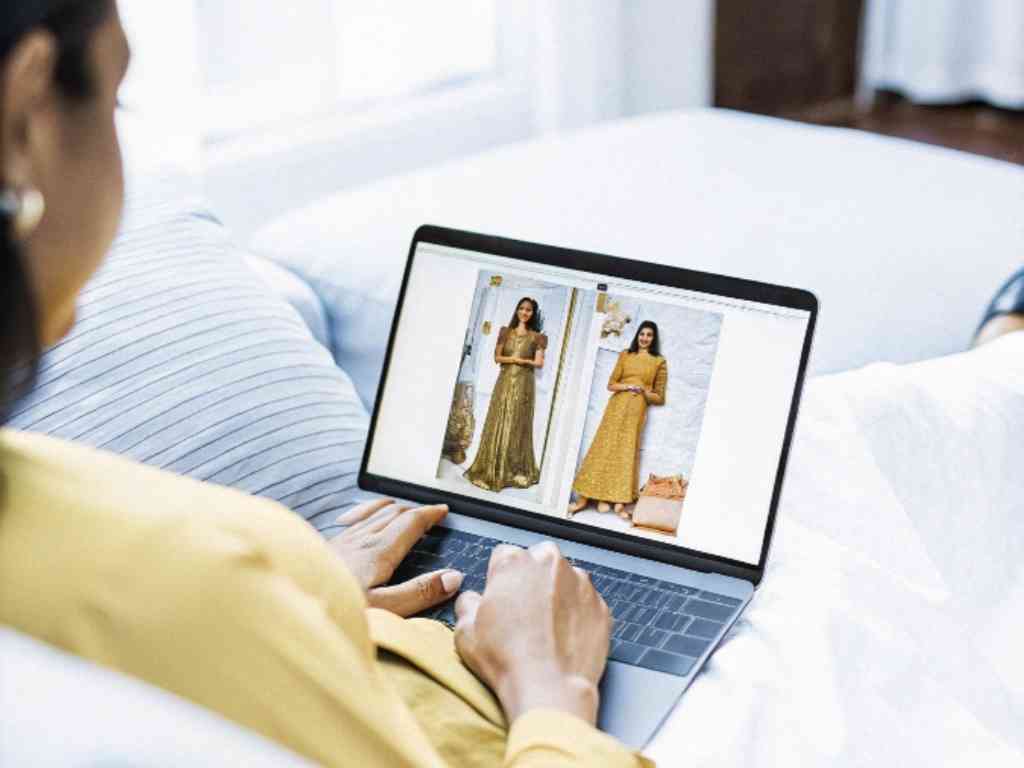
{"x": 505, "y": 457}
{"x": 609, "y": 471}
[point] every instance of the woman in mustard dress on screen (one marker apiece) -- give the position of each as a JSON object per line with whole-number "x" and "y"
{"x": 609, "y": 471}
{"x": 505, "y": 457}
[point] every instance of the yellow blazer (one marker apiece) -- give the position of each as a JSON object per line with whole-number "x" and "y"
{"x": 237, "y": 604}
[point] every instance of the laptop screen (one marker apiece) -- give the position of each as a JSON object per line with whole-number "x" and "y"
{"x": 538, "y": 387}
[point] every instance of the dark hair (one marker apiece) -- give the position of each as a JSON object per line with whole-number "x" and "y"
{"x": 654, "y": 349}
{"x": 535, "y": 323}
{"x": 72, "y": 24}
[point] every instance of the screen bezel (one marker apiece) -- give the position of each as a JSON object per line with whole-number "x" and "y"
{"x": 612, "y": 266}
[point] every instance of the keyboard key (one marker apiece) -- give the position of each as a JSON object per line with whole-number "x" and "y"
{"x": 654, "y": 598}
{"x": 651, "y": 636}
{"x": 673, "y": 602}
{"x": 686, "y": 645}
{"x": 630, "y": 653}
{"x": 620, "y": 608}
{"x": 642, "y": 615}
{"x": 636, "y": 578}
{"x": 704, "y": 628}
{"x": 453, "y": 547}
{"x": 625, "y": 630}
{"x": 461, "y": 563}
{"x": 447, "y": 614}
{"x": 474, "y": 583}
{"x": 706, "y": 610}
{"x": 627, "y": 591}
{"x": 716, "y": 598}
{"x": 677, "y": 589}
{"x": 666, "y": 662}
{"x": 641, "y": 594}
{"x": 403, "y": 574}
{"x": 429, "y": 544}
{"x": 671, "y": 622}
{"x": 615, "y": 573}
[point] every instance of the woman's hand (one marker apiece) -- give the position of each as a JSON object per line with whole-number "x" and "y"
{"x": 378, "y": 537}
{"x": 539, "y": 634}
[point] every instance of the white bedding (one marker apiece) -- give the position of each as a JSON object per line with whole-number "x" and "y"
{"x": 889, "y": 627}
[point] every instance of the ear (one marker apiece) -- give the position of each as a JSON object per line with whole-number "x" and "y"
{"x": 26, "y": 93}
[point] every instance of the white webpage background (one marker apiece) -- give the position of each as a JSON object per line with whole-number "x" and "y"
{"x": 752, "y": 383}
{"x": 424, "y": 365}
{"x": 751, "y": 389}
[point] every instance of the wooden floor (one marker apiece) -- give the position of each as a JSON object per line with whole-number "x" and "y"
{"x": 976, "y": 127}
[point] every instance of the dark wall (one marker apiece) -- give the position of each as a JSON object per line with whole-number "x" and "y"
{"x": 783, "y": 56}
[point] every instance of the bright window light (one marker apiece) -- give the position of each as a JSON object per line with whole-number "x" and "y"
{"x": 264, "y": 62}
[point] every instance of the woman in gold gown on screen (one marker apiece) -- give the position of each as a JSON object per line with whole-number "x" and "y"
{"x": 505, "y": 457}
{"x": 609, "y": 471}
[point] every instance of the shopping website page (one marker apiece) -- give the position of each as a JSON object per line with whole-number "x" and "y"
{"x": 653, "y": 412}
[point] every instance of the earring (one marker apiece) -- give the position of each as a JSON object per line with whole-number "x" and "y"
{"x": 25, "y": 209}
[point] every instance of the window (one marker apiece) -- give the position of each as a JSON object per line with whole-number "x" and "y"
{"x": 263, "y": 62}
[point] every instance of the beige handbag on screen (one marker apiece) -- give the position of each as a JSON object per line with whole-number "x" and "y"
{"x": 660, "y": 505}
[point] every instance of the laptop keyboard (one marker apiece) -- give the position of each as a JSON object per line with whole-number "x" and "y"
{"x": 658, "y": 625}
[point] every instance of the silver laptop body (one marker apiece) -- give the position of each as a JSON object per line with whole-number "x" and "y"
{"x": 734, "y": 354}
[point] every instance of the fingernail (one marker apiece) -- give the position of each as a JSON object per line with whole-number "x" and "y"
{"x": 451, "y": 580}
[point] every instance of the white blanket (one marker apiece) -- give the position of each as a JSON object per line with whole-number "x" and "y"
{"x": 889, "y": 627}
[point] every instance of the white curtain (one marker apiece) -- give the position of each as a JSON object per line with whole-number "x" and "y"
{"x": 597, "y": 60}
{"x": 208, "y": 98}
{"x": 160, "y": 123}
{"x": 942, "y": 51}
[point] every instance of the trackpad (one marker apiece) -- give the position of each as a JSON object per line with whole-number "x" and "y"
{"x": 634, "y": 701}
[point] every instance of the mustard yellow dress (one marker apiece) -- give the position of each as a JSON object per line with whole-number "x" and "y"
{"x": 505, "y": 456}
{"x": 238, "y": 605}
{"x": 609, "y": 471}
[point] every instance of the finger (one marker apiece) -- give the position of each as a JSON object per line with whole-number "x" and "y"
{"x": 362, "y": 511}
{"x": 465, "y": 624}
{"x": 379, "y": 520}
{"x": 465, "y": 608}
{"x": 502, "y": 555}
{"x": 406, "y": 529}
{"x": 545, "y": 552}
{"x": 416, "y": 595}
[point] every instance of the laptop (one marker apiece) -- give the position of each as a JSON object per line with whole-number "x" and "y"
{"x": 664, "y": 396}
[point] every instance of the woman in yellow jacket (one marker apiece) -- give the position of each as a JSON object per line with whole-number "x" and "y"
{"x": 225, "y": 599}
